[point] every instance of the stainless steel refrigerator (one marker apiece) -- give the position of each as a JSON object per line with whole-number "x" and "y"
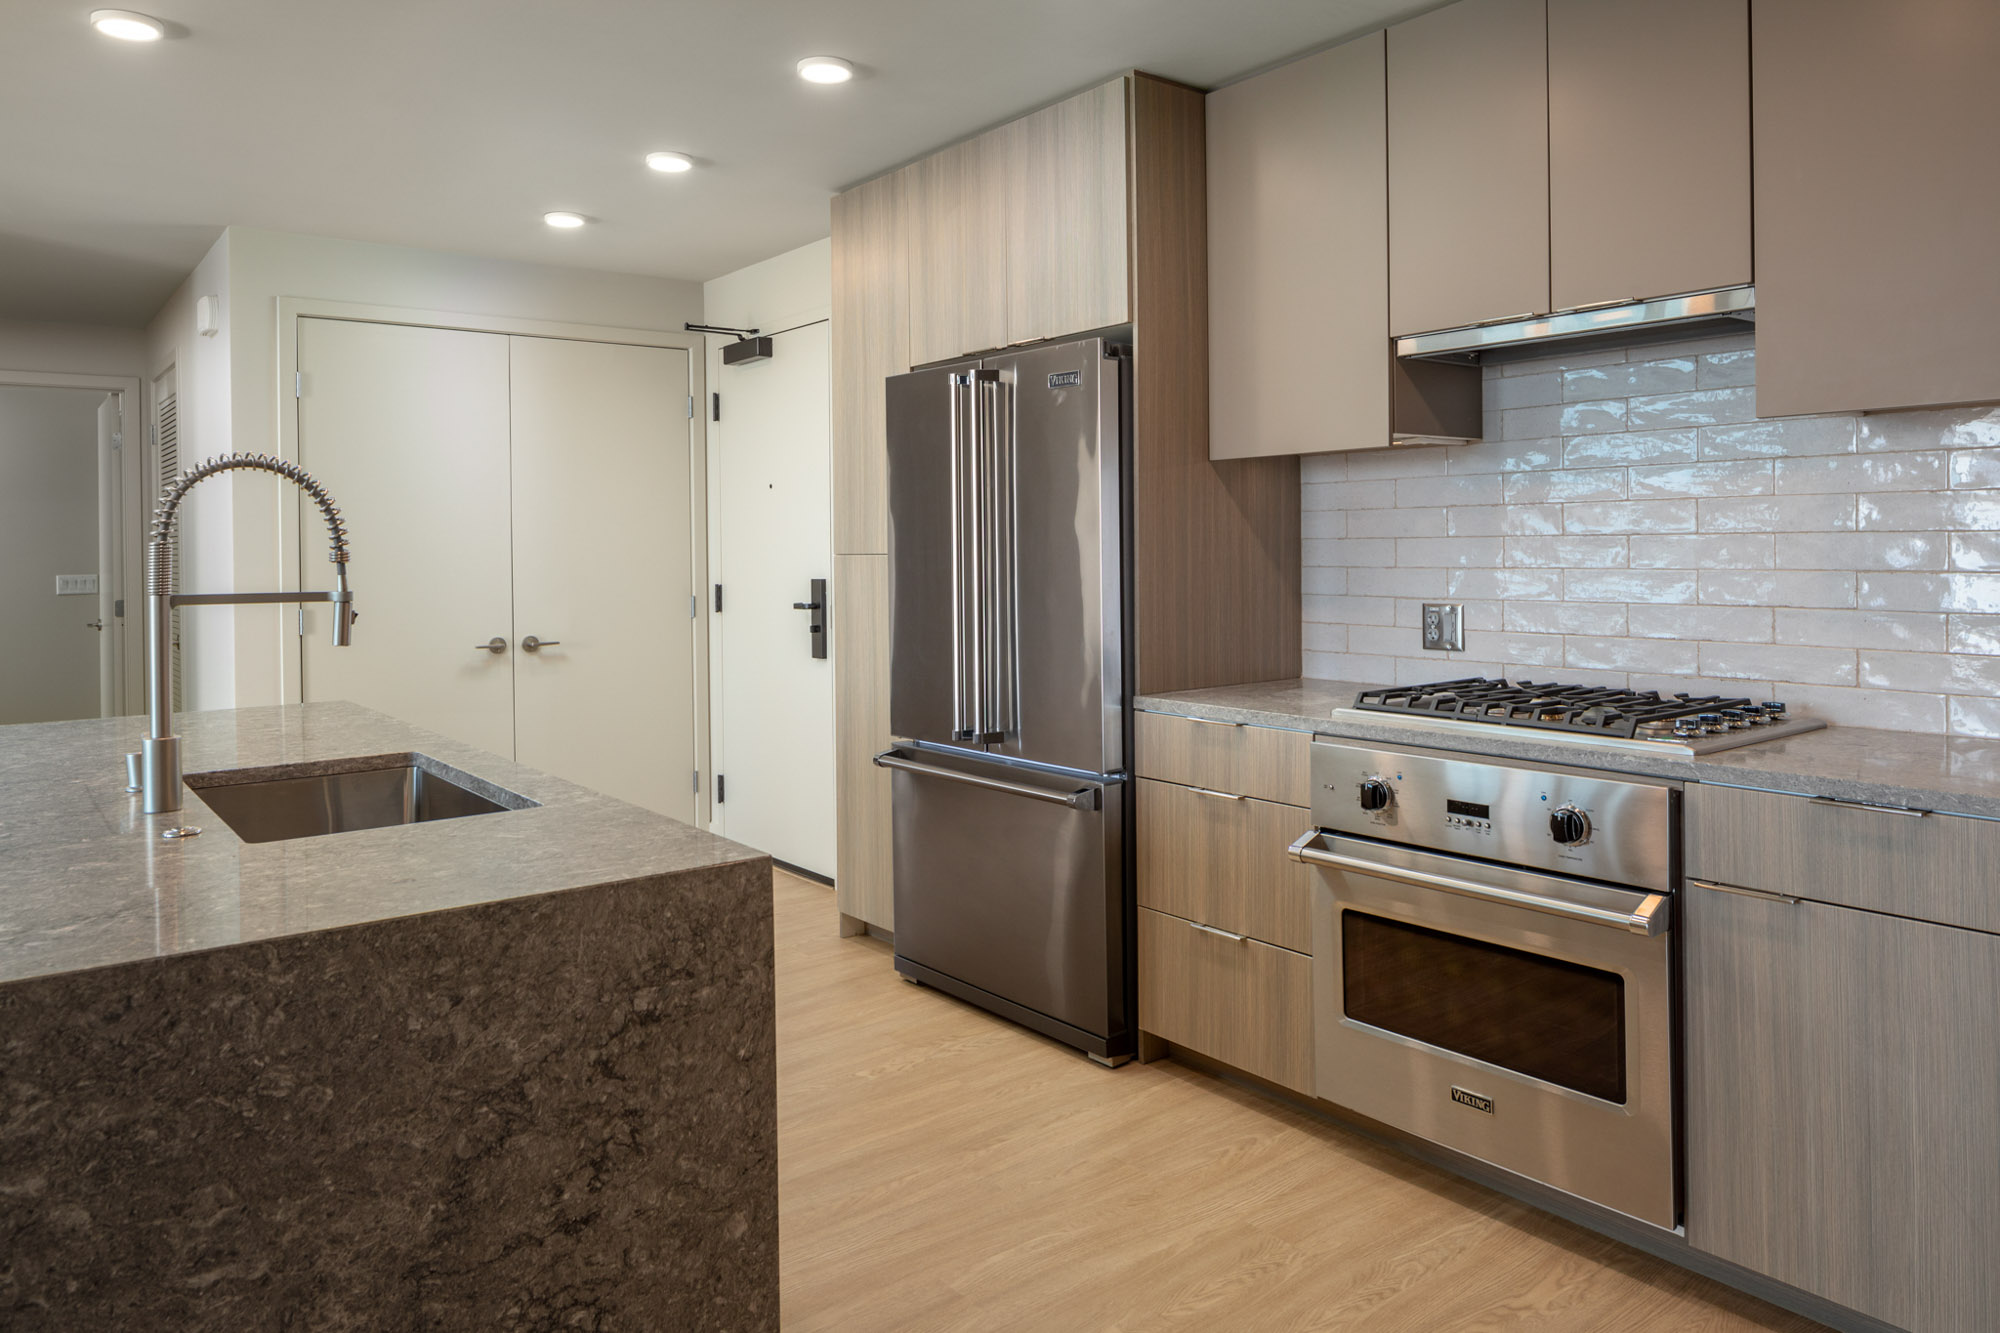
{"x": 1009, "y": 687}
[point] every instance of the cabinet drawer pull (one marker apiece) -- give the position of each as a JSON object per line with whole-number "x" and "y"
{"x": 1205, "y": 721}
{"x": 1768, "y": 897}
{"x": 1229, "y": 935}
{"x": 1835, "y": 803}
{"x": 1218, "y": 795}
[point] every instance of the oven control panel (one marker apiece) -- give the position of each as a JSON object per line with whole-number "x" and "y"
{"x": 1570, "y": 821}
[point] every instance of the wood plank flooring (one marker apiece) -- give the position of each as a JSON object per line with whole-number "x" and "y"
{"x": 941, "y": 1169}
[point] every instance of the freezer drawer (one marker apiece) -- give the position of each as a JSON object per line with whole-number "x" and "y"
{"x": 1010, "y": 892}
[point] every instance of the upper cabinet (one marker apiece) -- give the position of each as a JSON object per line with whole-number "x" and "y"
{"x": 1298, "y": 257}
{"x": 1068, "y": 240}
{"x": 1878, "y": 191}
{"x": 1649, "y": 149}
{"x": 1468, "y": 165}
{"x": 956, "y": 233}
{"x": 871, "y": 314}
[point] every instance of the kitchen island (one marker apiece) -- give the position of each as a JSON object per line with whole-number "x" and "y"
{"x": 509, "y": 1070}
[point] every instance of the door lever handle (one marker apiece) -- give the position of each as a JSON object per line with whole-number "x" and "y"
{"x": 495, "y": 645}
{"x": 805, "y": 606}
{"x": 531, "y": 644}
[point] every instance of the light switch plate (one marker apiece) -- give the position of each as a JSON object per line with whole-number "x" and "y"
{"x": 1444, "y": 627}
{"x": 74, "y": 585}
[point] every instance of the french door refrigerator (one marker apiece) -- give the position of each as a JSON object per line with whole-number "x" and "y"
{"x": 1009, "y": 687}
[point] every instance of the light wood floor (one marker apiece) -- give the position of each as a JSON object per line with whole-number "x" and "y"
{"x": 942, "y": 1169}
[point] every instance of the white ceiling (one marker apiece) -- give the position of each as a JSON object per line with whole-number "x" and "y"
{"x": 454, "y": 124}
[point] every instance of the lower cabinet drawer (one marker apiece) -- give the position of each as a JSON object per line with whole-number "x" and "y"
{"x": 1220, "y": 859}
{"x": 1239, "y": 1001}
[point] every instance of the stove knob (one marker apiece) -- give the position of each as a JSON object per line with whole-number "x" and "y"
{"x": 1569, "y": 826}
{"x": 1376, "y": 794}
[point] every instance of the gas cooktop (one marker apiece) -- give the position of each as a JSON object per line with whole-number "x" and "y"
{"x": 1592, "y": 716}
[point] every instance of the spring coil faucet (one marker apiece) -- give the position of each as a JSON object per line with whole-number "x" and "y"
{"x": 160, "y": 761}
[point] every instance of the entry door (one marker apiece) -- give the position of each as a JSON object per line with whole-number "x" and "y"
{"x": 773, "y": 698}
{"x": 604, "y": 567}
{"x": 407, "y": 427}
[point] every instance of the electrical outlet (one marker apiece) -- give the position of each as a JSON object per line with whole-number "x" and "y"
{"x": 1444, "y": 627}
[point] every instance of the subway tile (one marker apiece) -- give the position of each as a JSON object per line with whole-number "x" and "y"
{"x": 1524, "y": 423}
{"x": 1950, "y": 428}
{"x": 1380, "y": 582}
{"x": 1588, "y": 418}
{"x": 1319, "y": 495}
{"x": 1343, "y": 610}
{"x": 1969, "y": 633}
{"x": 1789, "y": 437}
{"x": 1807, "y": 666}
{"x": 1450, "y": 552}
{"x": 1629, "y": 655}
{"x": 1384, "y": 640}
{"x": 1606, "y": 483}
{"x": 1505, "y": 584}
{"x": 1414, "y": 461}
{"x": 1323, "y": 523}
{"x": 1942, "y": 673}
{"x": 1726, "y": 370}
{"x": 1975, "y": 511}
{"x": 1630, "y": 379}
{"x": 1504, "y": 456}
{"x": 1750, "y": 550}
{"x": 1567, "y": 552}
{"x": 1629, "y": 447}
{"x": 1861, "y": 550}
{"x": 1534, "y": 520}
{"x": 1349, "y": 666}
{"x": 1975, "y": 550}
{"x": 1323, "y": 469}
{"x": 1430, "y": 667}
{"x": 1478, "y": 614}
{"x": 1320, "y": 637}
{"x": 1975, "y": 717}
{"x": 1322, "y": 582}
{"x": 1682, "y": 683}
{"x": 1979, "y": 593}
{"x": 1576, "y": 673}
{"x": 1743, "y": 476}
{"x": 1704, "y": 407}
{"x": 1704, "y": 345}
{"x": 1903, "y": 511}
{"x": 1505, "y": 391}
{"x": 1974, "y": 468}
{"x": 1732, "y": 624}
{"x": 1479, "y": 488}
{"x": 1598, "y": 618}
{"x": 1510, "y": 649}
{"x": 1866, "y": 708}
{"x": 1907, "y": 631}
{"x": 1477, "y": 521}
{"x": 1629, "y": 585}
{"x": 1350, "y": 553}
{"x": 1629, "y": 516}
{"x": 1778, "y": 513}
{"x": 1351, "y": 494}
{"x": 1763, "y": 587}
{"x": 1561, "y": 361}
{"x": 1861, "y": 472}
{"x": 1395, "y": 523}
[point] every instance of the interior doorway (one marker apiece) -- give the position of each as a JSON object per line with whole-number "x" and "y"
{"x": 63, "y": 542}
{"x": 773, "y": 697}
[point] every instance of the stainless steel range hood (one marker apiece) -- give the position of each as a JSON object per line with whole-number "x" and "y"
{"x": 1666, "y": 317}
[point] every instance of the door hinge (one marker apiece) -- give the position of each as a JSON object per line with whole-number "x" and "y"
{"x": 718, "y": 789}
{"x": 718, "y": 599}
{"x": 298, "y": 384}
{"x": 715, "y": 406}
{"x": 302, "y": 622}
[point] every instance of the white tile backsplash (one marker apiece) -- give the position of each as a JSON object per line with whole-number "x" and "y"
{"x": 1629, "y": 521}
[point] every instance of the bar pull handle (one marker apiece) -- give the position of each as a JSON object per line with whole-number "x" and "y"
{"x": 1835, "y": 803}
{"x": 1205, "y": 721}
{"x": 1229, "y": 935}
{"x": 1218, "y": 795}
{"x": 963, "y": 723}
{"x": 1084, "y": 798}
{"x": 1785, "y": 898}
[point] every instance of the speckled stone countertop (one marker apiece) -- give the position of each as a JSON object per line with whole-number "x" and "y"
{"x": 86, "y": 882}
{"x": 1956, "y": 774}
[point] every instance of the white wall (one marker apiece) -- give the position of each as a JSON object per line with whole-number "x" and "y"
{"x": 48, "y": 526}
{"x": 73, "y": 349}
{"x": 263, "y": 266}
{"x": 778, "y": 293}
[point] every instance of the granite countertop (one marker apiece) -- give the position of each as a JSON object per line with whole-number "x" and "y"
{"x": 86, "y": 881}
{"x": 1957, "y": 774}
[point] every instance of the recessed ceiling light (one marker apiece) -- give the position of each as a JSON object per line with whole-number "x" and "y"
{"x": 825, "y": 69}
{"x": 127, "y": 26}
{"x": 670, "y": 162}
{"x": 564, "y": 219}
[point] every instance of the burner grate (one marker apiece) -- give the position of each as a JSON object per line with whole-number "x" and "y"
{"x": 1591, "y": 709}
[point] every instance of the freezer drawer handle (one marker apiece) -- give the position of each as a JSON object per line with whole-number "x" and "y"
{"x": 1085, "y": 798}
{"x": 1650, "y": 918}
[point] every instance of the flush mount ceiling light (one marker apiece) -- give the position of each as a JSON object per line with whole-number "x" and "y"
{"x": 670, "y": 162}
{"x": 127, "y": 26}
{"x": 825, "y": 69}
{"x": 564, "y": 219}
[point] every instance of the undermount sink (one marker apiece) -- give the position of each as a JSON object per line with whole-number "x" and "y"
{"x": 381, "y": 791}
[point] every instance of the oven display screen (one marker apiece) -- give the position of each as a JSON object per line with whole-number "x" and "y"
{"x": 1470, "y": 809}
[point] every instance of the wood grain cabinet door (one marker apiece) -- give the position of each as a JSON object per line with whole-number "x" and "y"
{"x": 1842, "y": 1075}
{"x": 1649, "y": 148}
{"x": 1878, "y": 199}
{"x": 863, "y": 880}
{"x": 1298, "y": 257}
{"x": 957, "y": 234}
{"x": 871, "y": 341}
{"x": 1468, "y": 165}
{"x": 1068, "y": 255}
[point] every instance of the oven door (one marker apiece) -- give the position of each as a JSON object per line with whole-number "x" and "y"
{"x": 1523, "y": 1019}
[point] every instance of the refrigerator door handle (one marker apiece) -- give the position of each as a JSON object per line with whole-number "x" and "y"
{"x": 996, "y": 585}
{"x": 963, "y": 448}
{"x": 1084, "y": 798}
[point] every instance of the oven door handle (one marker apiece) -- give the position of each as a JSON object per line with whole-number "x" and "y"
{"x": 1649, "y": 918}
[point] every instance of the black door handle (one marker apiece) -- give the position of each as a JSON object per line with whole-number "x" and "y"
{"x": 805, "y": 606}
{"x": 817, "y": 629}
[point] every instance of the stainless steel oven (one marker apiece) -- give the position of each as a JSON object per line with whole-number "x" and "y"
{"x": 1493, "y": 963}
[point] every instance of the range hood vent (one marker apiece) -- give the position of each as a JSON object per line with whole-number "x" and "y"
{"x": 1667, "y": 317}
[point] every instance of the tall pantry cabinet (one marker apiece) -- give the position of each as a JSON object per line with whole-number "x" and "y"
{"x": 1086, "y": 215}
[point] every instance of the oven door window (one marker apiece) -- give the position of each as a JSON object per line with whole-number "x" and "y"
{"x": 1542, "y": 1017}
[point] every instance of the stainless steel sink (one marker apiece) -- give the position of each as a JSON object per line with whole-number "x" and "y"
{"x": 272, "y": 805}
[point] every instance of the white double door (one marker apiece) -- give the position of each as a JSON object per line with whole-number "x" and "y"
{"x": 499, "y": 488}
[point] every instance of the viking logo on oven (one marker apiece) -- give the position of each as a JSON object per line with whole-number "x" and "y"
{"x": 1472, "y": 1099}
